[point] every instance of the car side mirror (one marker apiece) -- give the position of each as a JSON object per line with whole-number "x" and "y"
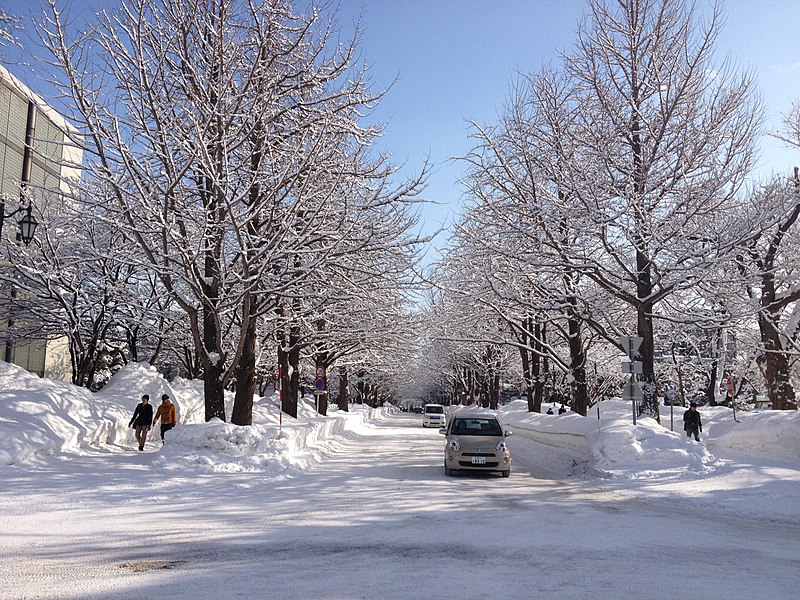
{"x": 443, "y": 431}
{"x": 507, "y": 433}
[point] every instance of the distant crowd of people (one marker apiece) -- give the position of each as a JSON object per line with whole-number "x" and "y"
{"x": 143, "y": 416}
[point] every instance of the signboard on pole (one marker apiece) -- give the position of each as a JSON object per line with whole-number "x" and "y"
{"x": 631, "y": 345}
{"x": 319, "y": 382}
{"x": 632, "y": 367}
{"x": 632, "y": 391}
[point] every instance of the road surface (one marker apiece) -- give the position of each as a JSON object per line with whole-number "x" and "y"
{"x": 373, "y": 517}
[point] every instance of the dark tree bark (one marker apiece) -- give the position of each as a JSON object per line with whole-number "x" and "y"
{"x": 577, "y": 367}
{"x": 541, "y": 379}
{"x": 288, "y": 405}
{"x": 245, "y": 375}
{"x": 343, "y": 399}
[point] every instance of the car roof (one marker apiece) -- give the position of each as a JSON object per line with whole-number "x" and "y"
{"x": 474, "y": 414}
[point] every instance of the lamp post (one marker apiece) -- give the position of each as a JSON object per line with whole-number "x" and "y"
{"x": 27, "y": 224}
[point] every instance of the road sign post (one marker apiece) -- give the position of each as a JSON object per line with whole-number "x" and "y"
{"x": 320, "y": 384}
{"x": 632, "y": 391}
{"x": 672, "y": 395}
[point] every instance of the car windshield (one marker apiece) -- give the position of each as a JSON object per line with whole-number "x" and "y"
{"x": 437, "y": 410}
{"x": 476, "y": 427}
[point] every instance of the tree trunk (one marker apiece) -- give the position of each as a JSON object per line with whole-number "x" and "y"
{"x": 577, "y": 367}
{"x": 649, "y": 385}
{"x": 245, "y": 374}
{"x": 541, "y": 379}
{"x": 494, "y": 400}
{"x": 774, "y": 365}
{"x": 343, "y": 399}
{"x": 527, "y": 358}
{"x": 213, "y": 370}
{"x": 361, "y": 387}
{"x": 713, "y": 375}
{"x": 294, "y": 363}
{"x": 288, "y": 406}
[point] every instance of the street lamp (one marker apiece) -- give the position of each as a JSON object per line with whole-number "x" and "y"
{"x": 27, "y": 224}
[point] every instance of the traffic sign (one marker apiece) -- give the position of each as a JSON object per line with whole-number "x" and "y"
{"x": 632, "y": 367}
{"x": 319, "y": 383}
{"x": 631, "y": 344}
{"x": 632, "y": 391}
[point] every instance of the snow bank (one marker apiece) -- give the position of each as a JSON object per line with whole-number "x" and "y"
{"x": 768, "y": 433}
{"x": 613, "y": 445}
{"x": 40, "y": 418}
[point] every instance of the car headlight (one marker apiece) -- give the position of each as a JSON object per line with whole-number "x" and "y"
{"x": 454, "y": 445}
{"x": 501, "y": 446}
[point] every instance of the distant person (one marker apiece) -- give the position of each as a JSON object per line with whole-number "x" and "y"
{"x": 691, "y": 422}
{"x": 165, "y": 412}
{"x": 562, "y": 410}
{"x": 550, "y": 411}
{"x": 141, "y": 420}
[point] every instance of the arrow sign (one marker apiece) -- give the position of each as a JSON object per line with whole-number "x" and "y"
{"x": 631, "y": 345}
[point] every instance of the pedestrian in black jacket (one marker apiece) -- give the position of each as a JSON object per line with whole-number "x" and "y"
{"x": 141, "y": 419}
{"x": 691, "y": 422}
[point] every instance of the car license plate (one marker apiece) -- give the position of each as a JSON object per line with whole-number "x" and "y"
{"x": 478, "y": 460}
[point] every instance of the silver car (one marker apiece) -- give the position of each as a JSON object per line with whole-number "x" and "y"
{"x": 476, "y": 442}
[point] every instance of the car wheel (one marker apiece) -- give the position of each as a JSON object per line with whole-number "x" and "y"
{"x": 447, "y": 470}
{"x": 506, "y": 473}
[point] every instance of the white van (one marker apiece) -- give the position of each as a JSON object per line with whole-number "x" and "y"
{"x": 433, "y": 416}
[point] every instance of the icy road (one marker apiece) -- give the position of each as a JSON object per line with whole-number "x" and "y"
{"x": 373, "y": 516}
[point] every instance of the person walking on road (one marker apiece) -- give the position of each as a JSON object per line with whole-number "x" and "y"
{"x": 165, "y": 412}
{"x": 691, "y": 422}
{"x": 141, "y": 420}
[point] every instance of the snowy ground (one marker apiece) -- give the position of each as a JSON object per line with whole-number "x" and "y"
{"x": 356, "y": 505}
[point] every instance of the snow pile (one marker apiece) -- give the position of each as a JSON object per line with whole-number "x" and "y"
{"x": 612, "y": 445}
{"x": 217, "y": 446}
{"x": 40, "y": 418}
{"x": 769, "y": 433}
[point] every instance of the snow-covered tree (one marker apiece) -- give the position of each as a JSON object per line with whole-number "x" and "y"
{"x": 624, "y": 171}
{"x": 231, "y": 134}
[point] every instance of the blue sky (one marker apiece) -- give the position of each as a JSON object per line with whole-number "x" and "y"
{"x": 455, "y": 60}
{"x": 451, "y": 61}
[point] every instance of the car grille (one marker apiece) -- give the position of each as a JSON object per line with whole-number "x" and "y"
{"x": 489, "y": 464}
